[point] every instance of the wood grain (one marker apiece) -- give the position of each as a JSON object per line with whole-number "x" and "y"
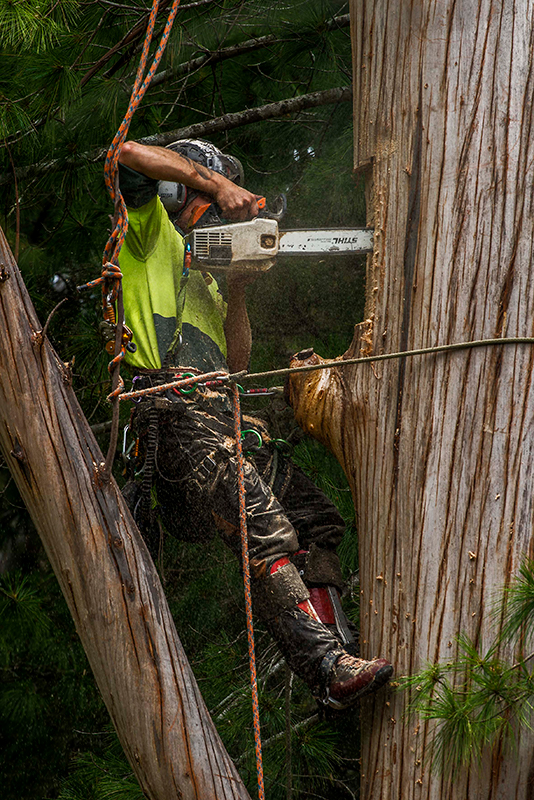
{"x": 103, "y": 567}
{"x": 439, "y": 449}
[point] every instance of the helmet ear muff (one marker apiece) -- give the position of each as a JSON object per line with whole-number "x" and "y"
{"x": 172, "y": 195}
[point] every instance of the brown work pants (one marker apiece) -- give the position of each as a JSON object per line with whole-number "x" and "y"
{"x": 196, "y": 477}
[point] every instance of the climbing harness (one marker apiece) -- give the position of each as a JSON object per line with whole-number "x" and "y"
{"x": 259, "y": 440}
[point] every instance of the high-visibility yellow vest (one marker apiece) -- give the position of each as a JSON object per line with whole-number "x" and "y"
{"x": 160, "y": 303}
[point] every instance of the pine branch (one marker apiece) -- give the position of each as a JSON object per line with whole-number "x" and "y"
{"x": 133, "y": 36}
{"x": 282, "y": 108}
{"x": 185, "y": 68}
{"x": 238, "y": 49}
{"x": 300, "y": 726}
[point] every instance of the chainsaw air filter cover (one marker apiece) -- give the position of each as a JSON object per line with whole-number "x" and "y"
{"x": 243, "y": 246}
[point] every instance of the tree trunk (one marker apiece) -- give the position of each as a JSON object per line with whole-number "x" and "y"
{"x": 103, "y": 567}
{"x": 439, "y": 449}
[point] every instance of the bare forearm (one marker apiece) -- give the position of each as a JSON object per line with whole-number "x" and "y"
{"x": 237, "y": 329}
{"x": 163, "y": 164}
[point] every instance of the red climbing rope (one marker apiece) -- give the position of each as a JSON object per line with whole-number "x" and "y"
{"x": 111, "y": 275}
{"x": 115, "y": 241}
{"x": 110, "y": 258}
{"x": 248, "y": 597}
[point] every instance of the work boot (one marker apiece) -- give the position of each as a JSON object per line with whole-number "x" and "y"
{"x": 351, "y": 678}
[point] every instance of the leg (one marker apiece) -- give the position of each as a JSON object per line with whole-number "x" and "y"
{"x": 320, "y": 529}
{"x": 318, "y": 653}
{"x": 196, "y": 455}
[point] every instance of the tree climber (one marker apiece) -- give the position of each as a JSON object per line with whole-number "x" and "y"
{"x": 180, "y": 325}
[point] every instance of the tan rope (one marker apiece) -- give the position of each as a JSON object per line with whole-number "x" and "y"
{"x": 223, "y": 376}
{"x": 176, "y": 384}
{"x": 443, "y": 348}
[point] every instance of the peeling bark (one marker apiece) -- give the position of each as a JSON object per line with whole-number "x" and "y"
{"x": 103, "y": 567}
{"x": 439, "y": 449}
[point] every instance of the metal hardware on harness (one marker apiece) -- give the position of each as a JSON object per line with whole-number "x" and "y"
{"x": 187, "y": 260}
{"x": 108, "y": 330}
{"x": 134, "y": 444}
{"x": 189, "y": 389}
{"x": 285, "y": 447}
{"x": 341, "y": 619}
{"x": 254, "y": 447}
{"x": 206, "y": 467}
{"x": 124, "y": 436}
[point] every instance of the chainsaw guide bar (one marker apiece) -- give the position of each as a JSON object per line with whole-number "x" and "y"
{"x": 253, "y": 246}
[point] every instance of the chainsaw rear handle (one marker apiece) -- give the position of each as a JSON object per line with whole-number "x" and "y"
{"x": 278, "y": 209}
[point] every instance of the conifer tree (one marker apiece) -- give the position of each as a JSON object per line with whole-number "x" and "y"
{"x": 64, "y": 86}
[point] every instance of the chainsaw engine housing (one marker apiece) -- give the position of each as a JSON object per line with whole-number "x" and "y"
{"x": 244, "y": 246}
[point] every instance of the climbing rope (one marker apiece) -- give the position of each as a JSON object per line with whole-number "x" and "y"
{"x": 217, "y": 379}
{"x": 248, "y": 597}
{"x": 115, "y": 241}
{"x": 442, "y": 348}
{"x": 111, "y": 274}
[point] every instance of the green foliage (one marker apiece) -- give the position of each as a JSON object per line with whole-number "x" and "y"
{"x": 34, "y": 25}
{"x": 479, "y": 699}
{"x": 55, "y": 740}
{"x": 519, "y": 606}
{"x": 105, "y": 776}
{"x": 48, "y": 701}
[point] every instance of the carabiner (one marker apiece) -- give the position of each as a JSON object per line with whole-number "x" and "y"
{"x": 187, "y": 389}
{"x": 254, "y": 447}
{"x": 283, "y": 446}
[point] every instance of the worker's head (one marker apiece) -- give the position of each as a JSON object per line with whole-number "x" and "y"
{"x": 182, "y": 202}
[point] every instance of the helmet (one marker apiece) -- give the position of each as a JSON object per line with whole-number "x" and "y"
{"x": 210, "y": 156}
{"x": 174, "y": 195}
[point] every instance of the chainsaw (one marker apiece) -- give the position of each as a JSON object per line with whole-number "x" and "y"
{"x": 255, "y": 245}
